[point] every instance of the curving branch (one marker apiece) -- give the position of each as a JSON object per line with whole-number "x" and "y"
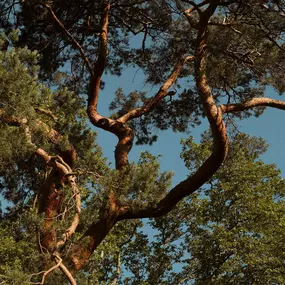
{"x": 65, "y": 176}
{"x": 124, "y": 133}
{"x": 101, "y": 62}
{"x": 59, "y": 264}
{"x": 45, "y": 273}
{"x": 220, "y": 141}
{"x": 97, "y": 231}
{"x": 255, "y": 102}
{"x": 64, "y": 269}
{"x": 67, "y": 173}
{"x": 163, "y": 92}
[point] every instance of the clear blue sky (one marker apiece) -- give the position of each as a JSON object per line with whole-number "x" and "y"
{"x": 269, "y": 126}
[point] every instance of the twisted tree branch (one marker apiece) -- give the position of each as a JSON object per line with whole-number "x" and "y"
{"x": 73, "y": 40}
{"x": 214, "y": 115}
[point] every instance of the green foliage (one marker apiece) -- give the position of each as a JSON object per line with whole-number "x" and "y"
{"x": 140, "y": 184}
{"x": 23, "y": 176}
{"x": 179, "y": 114}
{"x": 238, "y": 219}
{"x": 242, "y": 60}
{"x": 230, "y": 232}
{"x": 19, "y": 253}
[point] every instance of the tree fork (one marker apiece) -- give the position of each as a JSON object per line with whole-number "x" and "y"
{"x": 100, "y": 229}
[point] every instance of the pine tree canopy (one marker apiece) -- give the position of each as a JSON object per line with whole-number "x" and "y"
{"x": 68, "y": 216}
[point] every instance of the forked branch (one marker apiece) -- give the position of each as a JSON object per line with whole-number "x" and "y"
{"x": 220, "y": 141}
{"x": 45, "y": 273}
{"x": 64, "y": 269}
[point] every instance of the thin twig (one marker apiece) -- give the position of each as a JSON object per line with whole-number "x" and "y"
{"x": 45, "y": 273}
{"x": 74, "y": 41}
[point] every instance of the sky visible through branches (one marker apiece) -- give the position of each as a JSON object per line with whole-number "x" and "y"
{"x": 269, "y": 126}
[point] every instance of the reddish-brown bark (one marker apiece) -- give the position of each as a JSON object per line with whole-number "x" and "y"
{"x": 112, "y": 211}
{"x": 51, "y": 203}
{"x": 162, "y": 92}
{"x": 250, "y": 104}
{"x": 96, "y": 233}
{"x": 214, "y": 115}
{"x": 99, "y": 230}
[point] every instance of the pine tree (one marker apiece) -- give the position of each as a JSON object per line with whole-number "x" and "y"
{"x": 219, "y": 56}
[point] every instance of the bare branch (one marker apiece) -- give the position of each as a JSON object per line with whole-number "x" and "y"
{"x": 59, "y": 264}
{"x": 64, "y": 269}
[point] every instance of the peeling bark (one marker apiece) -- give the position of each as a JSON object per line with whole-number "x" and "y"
{"x": 51, "y": 203}
{"x": 214, "y": 114}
